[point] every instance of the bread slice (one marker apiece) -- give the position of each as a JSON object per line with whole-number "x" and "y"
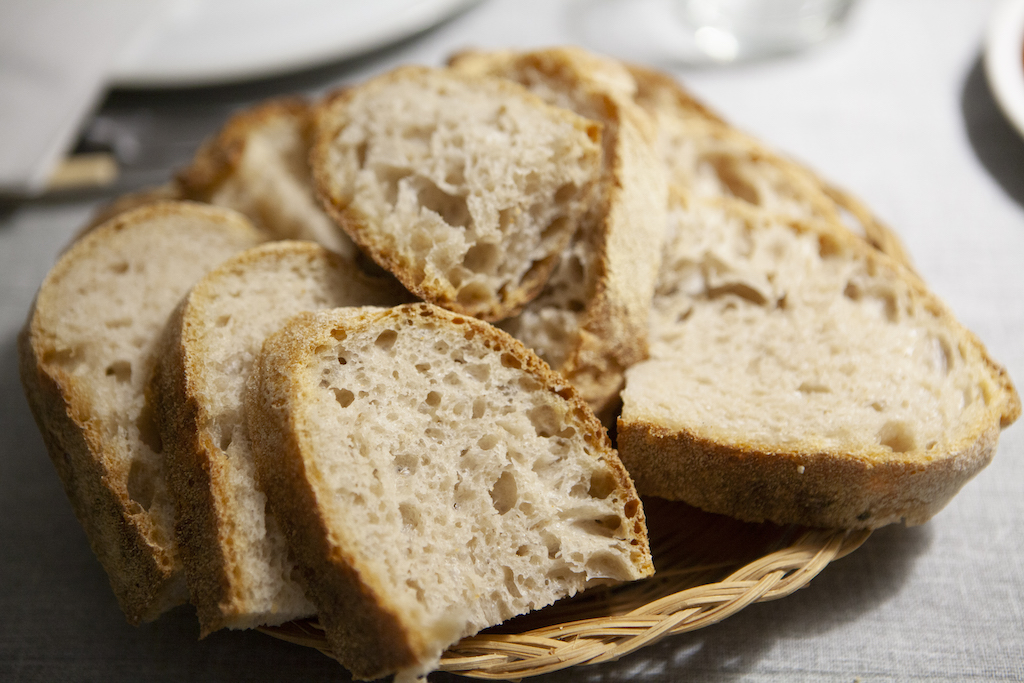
{"x": 708, "y": 157}
{"x": 235, "y": 557}
{"x": 466, "y": 188}
{"x": 434, "y": 477}
{"x": 799, "y": 376}
{"x": 258, "y": 164}
{"x": 85, "y": 356}
{"x": 590, "y": 321}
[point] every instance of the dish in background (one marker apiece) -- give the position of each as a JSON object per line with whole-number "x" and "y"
{"x": 200, "y": 42}
{"x": 1004, "y": 60}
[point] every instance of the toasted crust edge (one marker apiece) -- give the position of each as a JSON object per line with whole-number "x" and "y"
{"x": 146, "y": 579}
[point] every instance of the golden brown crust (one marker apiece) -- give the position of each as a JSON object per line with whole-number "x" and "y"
{"x": 220, "y": 157}
{"x": 198, "y": 524}
{"x": 141, "y": 559}
{"x": 145, "y": 577}
{"x": 831, "y": 490}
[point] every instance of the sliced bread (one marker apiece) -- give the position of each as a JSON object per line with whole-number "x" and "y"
{"x": 235, "y": 558}
{"x": 258, "y": 164}
{"x": 799, "y": 376}
{"x": 86, "y": 353}
{"x": 707, "y": 157}
{"x": 590, "y": 321}
{"x": 466, "y": 188}
{"x": 434, "y": 477}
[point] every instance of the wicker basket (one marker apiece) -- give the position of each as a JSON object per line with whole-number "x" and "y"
{"x": 708, "y": 568}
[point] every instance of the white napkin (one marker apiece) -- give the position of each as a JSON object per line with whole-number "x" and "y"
{"x": 54, "y": 57}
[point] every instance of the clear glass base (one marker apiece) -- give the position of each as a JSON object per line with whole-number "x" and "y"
{"x": 738, "y": 30}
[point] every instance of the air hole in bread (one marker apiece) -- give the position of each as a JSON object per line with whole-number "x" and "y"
{"x": 121, "y": 370}
{"x": 452, "y": 379}
{"x": 66, "y": 358}
{"x": 813, "y": 387}
{"x": 504, "y": 493}
{"x": 482, "y": 257}
{"x": 551, "y": 544}
{"x": 631, "y": 508}
{"x": 406, "y": 463}
{"x": 433, "y": 399}
{"x": 142, "y": 482}
{"x": 602, "y": 483}
{"x": 474, "y": 293}
{"x": 386, "y": 340}
{"x": 740, "y": 290}
{"x": 554, "y": 229}
{"x": 118, "y": 323}
{"x": 943, "y": 355}
{"x": 897, "y": 436}
{"x": 479, "y": 408}
{"x": 545, "y": 419}
{"x": 510, "y": 361}
{"x": 727, "y": 171}
{"x": 453, "y": 210}
{"x": 410, "y": 516}
{"x": 481, "y": 372}
{"x": 119, "y": 268}
{"x": 389, "y": 178}
{"x": 344, "y": 397}
{"x": 828, "y": 246}
{"x": 149, "y": 433}
{"x": 488, "y": 441}
{"x": 510, "y": 582}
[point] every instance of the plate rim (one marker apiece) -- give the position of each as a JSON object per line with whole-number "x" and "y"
{"x": 1004, "y": 60}
{"x": 133, "y": 70}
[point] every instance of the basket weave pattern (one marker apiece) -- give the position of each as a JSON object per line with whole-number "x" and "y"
{"x": 709, "y": 572}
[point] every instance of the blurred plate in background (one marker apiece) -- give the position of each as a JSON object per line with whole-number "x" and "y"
{"x": 1004, "y": 60}
{"x": 201, "y": 42}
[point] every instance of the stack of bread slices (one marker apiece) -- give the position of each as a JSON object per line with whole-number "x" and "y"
{"x": 358, "y": 360}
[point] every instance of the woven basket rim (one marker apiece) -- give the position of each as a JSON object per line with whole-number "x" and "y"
{"x": 628, "y": 618}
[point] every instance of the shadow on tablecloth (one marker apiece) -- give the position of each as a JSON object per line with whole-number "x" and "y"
{"x": 994, "y": 140}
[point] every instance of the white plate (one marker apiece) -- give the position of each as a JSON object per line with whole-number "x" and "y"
{"x": 199, "y": 42}
{"x": 1004, "y": 59}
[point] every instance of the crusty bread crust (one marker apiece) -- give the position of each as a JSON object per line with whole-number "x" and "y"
{"x": 145, "y": 575}
{"x": 135, "y": 549}
{"x": 368, "y": 632}
{"x": 258, "y": 164}
{"x": 622, "y": 233}
{"x": 863, "y": 483}
{"x": 202, "y": 476}
{"x": 221, "y": 156}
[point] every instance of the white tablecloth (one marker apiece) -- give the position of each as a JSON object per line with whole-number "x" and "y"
{"x": 895, "y": 109}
